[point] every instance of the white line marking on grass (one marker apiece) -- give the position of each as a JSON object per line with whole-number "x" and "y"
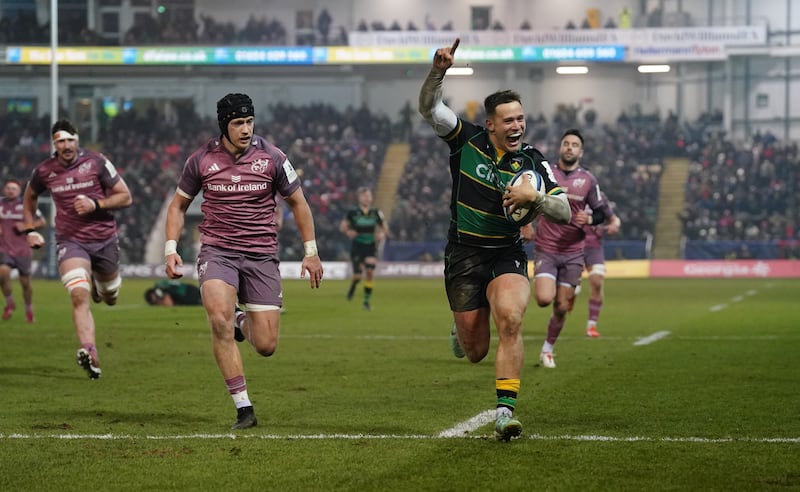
{"x": 329, "y": 336}
{"x": 276, "y": 437}
{"x": 463, "y": 428}
{"x": 786, "y": 440}
{"x": 651, "y": 338}
{"x": 720, "y": 307}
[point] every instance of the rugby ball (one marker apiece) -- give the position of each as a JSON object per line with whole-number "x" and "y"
{"x": 523, "y": 215}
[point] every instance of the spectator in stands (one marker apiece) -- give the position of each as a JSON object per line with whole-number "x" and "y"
{"x": 324, "y": 25}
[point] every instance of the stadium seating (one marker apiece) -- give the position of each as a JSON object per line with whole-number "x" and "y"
{"x": 734, "y": 192}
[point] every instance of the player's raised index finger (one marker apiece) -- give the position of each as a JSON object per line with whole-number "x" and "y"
{"x": 455, "y": 45}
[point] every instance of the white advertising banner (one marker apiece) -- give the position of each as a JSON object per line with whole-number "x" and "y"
{"x": 649, "y": 37}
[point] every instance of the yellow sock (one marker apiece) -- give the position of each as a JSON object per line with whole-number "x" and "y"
{"x": 507, "y": 391}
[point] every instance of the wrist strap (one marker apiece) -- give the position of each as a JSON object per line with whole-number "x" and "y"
{"x": 170, "y": 247}
{"x": 310, "y": 248}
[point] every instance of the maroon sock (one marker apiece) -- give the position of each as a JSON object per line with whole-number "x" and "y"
{"x": 554, "y": 329}
{"x": 594, "y": 310}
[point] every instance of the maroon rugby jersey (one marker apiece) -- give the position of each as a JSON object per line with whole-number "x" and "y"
{"x": 594, "y": 233}
{"x": 90, "y": 174}
{"x": 239, "y": 195}
{"x": 582, "y": 189}
{"x": 13, "y": 242}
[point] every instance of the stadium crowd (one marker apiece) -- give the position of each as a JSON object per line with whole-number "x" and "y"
{"x": 736, "y": 192}
{"x": 168, "y": 26}
{"x": 743, "y": 192}
{"x": 627, "y": 159}
{"x": 335, "y": 152}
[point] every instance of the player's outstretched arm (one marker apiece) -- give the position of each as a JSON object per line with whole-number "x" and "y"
{"x": 431, "y": 104}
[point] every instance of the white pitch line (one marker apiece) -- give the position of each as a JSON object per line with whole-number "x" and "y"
{"x": 333, "y": 437}
{"x": 719, "y": 307}
{"x": 651, "y": 338}
{"x": 782, "y": 440}
{"x": 463, "y": 428}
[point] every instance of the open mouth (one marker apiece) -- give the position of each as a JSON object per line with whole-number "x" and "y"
{"x": 514, "y": 139}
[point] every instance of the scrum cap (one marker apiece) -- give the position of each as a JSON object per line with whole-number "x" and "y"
{"x": 233, "y": 106}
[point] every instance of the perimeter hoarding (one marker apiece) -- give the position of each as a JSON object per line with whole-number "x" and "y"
{"x": 302, "y": 55}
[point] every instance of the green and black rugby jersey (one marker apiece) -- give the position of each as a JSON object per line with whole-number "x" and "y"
{"x": 479, "y": 180}
{"x": 364, "y": 223}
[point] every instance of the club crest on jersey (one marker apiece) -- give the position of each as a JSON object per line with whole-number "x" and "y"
{"x": 259, "y": 166}
{"x": 516, "y": 164}
{"x": 85, "y": 168}
{"x": 579, "y": 182}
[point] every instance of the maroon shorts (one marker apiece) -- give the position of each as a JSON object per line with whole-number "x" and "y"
{"x": 103, "y": 255}
{"x": 21, "y": 263}
{"x": 593, "y": 256}
{"x": 256, "y": 278}
{"x": 563, "y": 268}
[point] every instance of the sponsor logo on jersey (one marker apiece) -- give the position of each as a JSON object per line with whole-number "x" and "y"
{"x": 214, "y": 168}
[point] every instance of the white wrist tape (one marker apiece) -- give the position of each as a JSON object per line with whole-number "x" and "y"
{"x": 310, "y": 247}
{"x": 170, "y": 247}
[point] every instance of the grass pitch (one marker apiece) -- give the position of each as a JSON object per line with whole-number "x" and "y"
{"x": 356, "y": 400}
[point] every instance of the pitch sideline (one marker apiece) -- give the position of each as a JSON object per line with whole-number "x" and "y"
{"x": 276, "y": 437}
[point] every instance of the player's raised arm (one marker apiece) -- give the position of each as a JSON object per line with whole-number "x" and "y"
{"x": 431, "y": 105}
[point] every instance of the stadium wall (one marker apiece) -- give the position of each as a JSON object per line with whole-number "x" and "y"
{"x": 340, "y": 270}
